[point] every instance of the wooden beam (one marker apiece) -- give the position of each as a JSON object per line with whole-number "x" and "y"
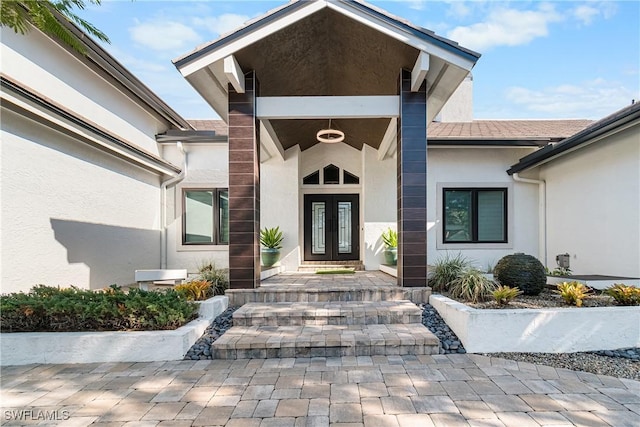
{"x": 419, "y": 72}
{"x": 234, "y": 73}
{"x": 327, "y": 107}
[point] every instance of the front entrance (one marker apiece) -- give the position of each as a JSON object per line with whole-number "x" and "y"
{"x": 331, "y": 227}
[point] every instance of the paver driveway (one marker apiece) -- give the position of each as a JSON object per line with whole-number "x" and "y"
{"x": 441, "y": 390}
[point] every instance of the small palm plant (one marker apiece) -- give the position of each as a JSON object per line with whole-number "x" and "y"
{"x": 390, "y": 240}
{"x": 271, "y": 240}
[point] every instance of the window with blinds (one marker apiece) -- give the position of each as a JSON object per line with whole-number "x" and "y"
{"x": 475, "y": 215}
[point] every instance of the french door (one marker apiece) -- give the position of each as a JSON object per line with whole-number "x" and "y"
{"x": 331, "y": 229}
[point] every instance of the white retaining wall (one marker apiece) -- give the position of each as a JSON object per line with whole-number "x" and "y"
{"x": 25, "y": 348}
{"x": 549, "y": 330}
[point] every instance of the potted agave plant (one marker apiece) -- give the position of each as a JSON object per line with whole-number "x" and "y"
{"x": 390, "y": 240}
{"x": 271, "y": 241}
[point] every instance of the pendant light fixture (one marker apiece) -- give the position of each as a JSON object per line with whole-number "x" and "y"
{"x": 330, "y": 136}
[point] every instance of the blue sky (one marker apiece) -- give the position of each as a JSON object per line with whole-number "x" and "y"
{"x": 562, "y": 59}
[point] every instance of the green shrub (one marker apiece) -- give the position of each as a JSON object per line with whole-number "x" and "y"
{"x": 573, "y": 293}
{"x": 49, "y": 309}
{"x": 624, "y": 294}
{"x": 446, "y": 270}
{"x": 271, "y": 238}
{"x": 522, "y": 271}
{"x": 472, "y": 285}
{"x": 218, "y": 277}
{"x": 505, "y": 294}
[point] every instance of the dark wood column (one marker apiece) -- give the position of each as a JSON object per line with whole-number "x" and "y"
{"x": 244, "y": 187}
{"x": 412, "y": 184}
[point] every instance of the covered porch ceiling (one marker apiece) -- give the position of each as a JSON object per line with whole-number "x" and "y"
{"x": 327, "y": 49}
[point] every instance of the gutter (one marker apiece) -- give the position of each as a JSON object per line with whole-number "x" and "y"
{"x": 542, "y": 214}
{"x": 163, "y": 208}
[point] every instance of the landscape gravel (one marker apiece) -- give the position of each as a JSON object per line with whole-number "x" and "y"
{"x": 621, "y": 363}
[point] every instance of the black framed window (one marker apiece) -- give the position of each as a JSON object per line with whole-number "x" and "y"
{"x": 475, "y": 215}
{"x": 205, "y": 216}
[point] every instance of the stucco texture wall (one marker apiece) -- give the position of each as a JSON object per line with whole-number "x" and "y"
{"x": 481, "y": 167}
{"x": 70, "y": 214}
{"x": 208, "y": 166}
{"x": 593, "y": 206}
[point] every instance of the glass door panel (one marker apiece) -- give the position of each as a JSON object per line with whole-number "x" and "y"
{"x": 318, "y": 235}
{"x": 344, "y": 228}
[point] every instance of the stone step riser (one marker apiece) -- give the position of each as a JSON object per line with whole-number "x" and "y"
{"x": 305, "y": 320}
{"x": 314, "y": 268}
{"x": 238, "y": 297}
{"x": 251, "y": 342}
{"x": 287, "y": 352}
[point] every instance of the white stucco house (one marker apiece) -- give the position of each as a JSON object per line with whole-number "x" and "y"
{"x": 100, "y": 177}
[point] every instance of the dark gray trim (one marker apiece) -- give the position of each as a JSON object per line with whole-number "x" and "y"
{"x": 187, "y": 136}
{"x": 426, "y": 35}
{"x": 99, "y": 57}
{"x": 462, "y": 142}
{"x": 59, "y": 111}
{"x": 607, "y": 124}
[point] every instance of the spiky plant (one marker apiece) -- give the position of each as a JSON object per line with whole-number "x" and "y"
{"x": 505, "y": 294}
{"x": 573, "y": 293}
{"x": 446, "y": 270}
{"x": 472, "y": 285}
{"x": 390, "y": 238}
{"x": 271, "y": 238}
{"x": 624, "y": 294}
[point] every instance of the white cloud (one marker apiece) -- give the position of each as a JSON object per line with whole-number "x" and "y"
{"x": 221, "y": 24}
{"x": 164, "y": 35}
{"x": 458, "y": 9}
{"x": 588, "y": 12}
{"x": 506, "y": 27}
{"x": 590, "y": 99}
{"x": 417, "y": 4}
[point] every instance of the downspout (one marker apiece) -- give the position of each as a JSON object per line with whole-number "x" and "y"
{"x": 163, "y": 209}
{"x": 542, "y": 214}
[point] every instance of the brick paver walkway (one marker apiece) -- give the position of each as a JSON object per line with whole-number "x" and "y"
{"x": 376, "y": 391}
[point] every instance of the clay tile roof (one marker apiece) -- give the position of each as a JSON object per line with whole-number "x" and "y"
{"x": 218, "y": 126}
{"x": 507, "y": 129}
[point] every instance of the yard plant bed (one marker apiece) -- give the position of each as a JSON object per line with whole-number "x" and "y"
{"x": 53, "y": 309}
{"x": 546, "y": 299}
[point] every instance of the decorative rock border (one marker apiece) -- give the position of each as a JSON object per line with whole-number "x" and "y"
{"x": 24, "y": 348}
{"x": 547, "y": 330}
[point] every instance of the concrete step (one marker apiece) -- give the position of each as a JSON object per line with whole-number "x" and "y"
{"x": 313, "y": 266}
{"x": 327, "y": 313}
{"x": 261, "y": 342}
{"x": 325, "y": 291}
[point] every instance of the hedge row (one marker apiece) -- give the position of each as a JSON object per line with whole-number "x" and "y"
{"x": 53, "y": 309}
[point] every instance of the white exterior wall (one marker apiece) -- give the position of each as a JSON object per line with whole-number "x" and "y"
{"x": 593, "y": 206}
{"x": 481, "y": 167}
{"x": 208, "y": 167}
{"x": 38, "y": 63}
{"x": 71, "y": 215}
{"x": 280, "y": 202}
{"x": 379, "y": 202}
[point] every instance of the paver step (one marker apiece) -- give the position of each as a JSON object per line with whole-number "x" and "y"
{"x": 313, "y": 266}
{"x": 261, "y": 342}
{"x": 326, "y": 292}
{"x": 327, "y": 313}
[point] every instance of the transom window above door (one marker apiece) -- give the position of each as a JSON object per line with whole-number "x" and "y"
{"x": 330, "y": 175}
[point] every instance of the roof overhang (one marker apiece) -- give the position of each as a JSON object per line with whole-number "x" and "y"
{"x": 327, "y": 48}
{"x": 614, "y": 123}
